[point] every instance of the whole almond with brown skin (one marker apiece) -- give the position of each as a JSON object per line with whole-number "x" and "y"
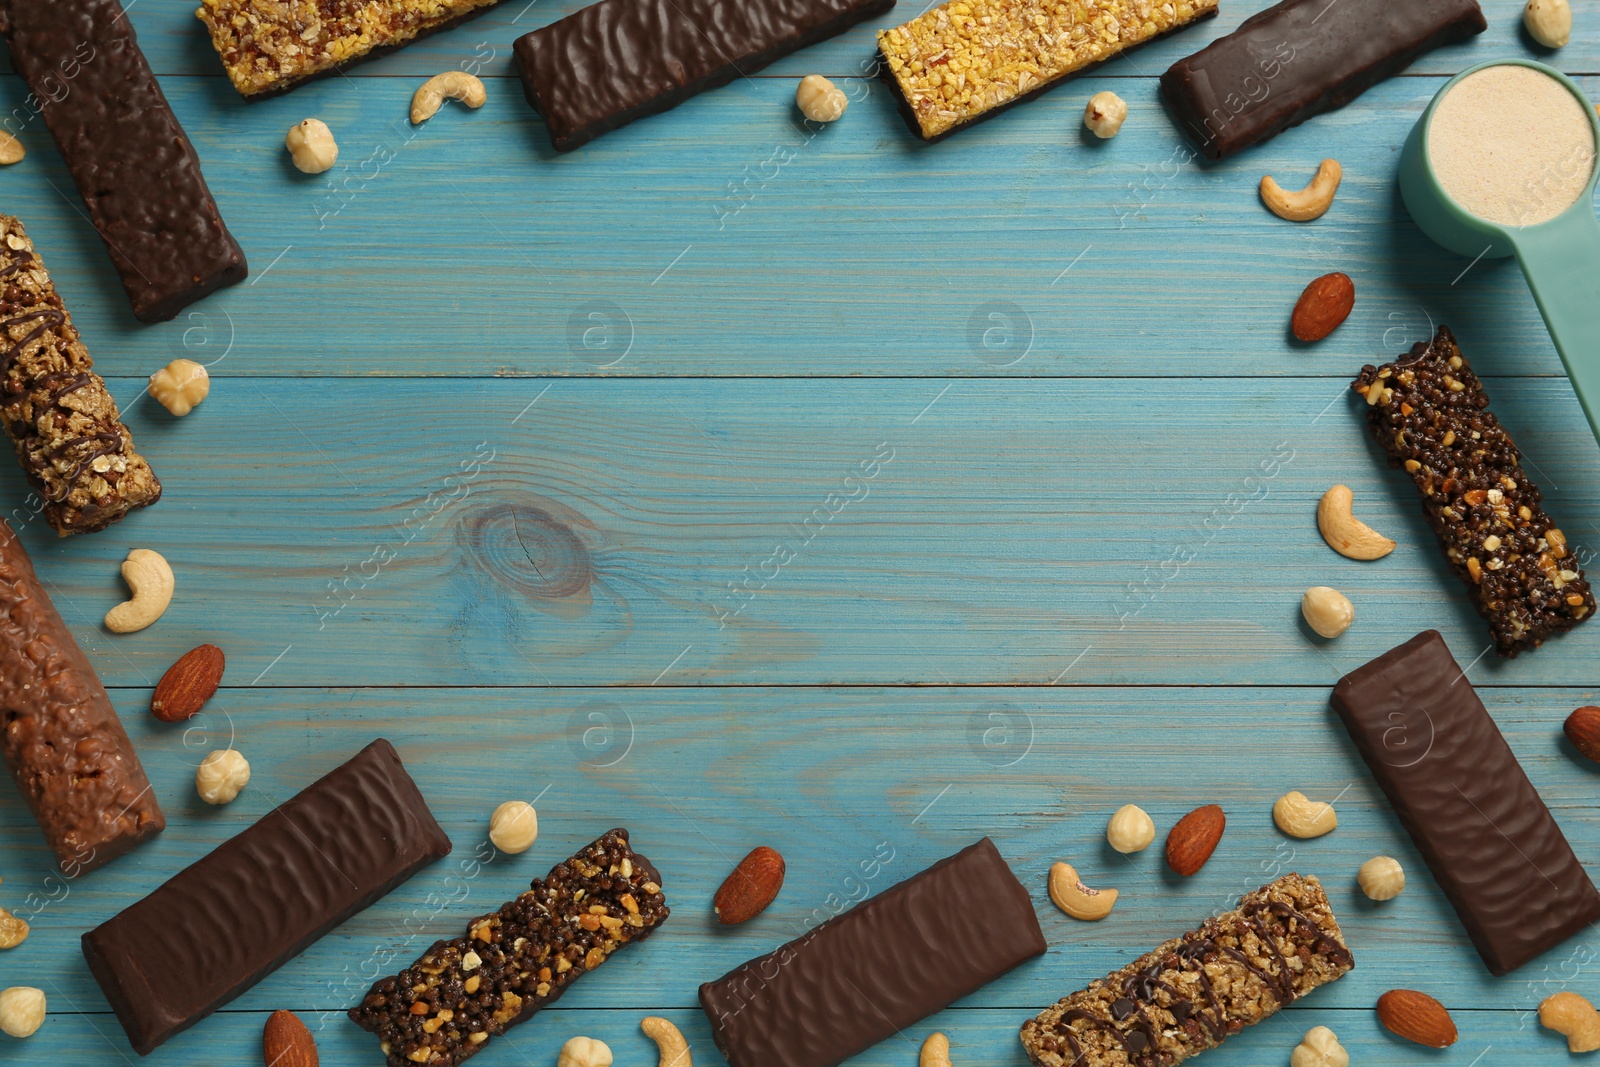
{"x": 1416, "y": 1017}
{"x": 285, "y": 1042}
{"x": 1323, "y": 305}
{"x": 751, "y": 887}
{"x": 188, "y": 684}
{"x": 1583, "y": 730}
{"x": 1192, "y": 841}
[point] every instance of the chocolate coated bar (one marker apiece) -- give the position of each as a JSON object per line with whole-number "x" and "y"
{"x": 620, "y": 60}
{"x": 64, "y": 744}
{"x": 878, "y": 968}
{"x": 1301, "y": 58}
{"x": 515, "y": 961}
{"x": 1460, "y": 793}
{"x": 1431, "y": 415}
{"x": 1187, "y": 995}
{"x": 134, "y": 166}
{"x": 259, "y": 899}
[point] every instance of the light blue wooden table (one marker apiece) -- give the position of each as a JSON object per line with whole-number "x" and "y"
{"x": 505, "y": 449}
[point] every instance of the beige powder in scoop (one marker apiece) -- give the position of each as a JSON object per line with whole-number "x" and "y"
{"x": 1512, "y": 145}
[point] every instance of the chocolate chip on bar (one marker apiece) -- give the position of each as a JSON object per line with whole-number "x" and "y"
{"x": 968, "y": 59}
{"x": 1430, "y": 413}
{"x": 1191, "y": 993}
{"x": 460, "y": 993}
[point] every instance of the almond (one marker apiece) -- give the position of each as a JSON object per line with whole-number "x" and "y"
{"x": 1583, "y": 730}
{"x": 188, "y": 684}
{"x": 751, "y": 887}
{"x": 1192, "y": 841}
{"x": 1323, "y": 306}
{"x": 285, "y": 1042}
{"x": 1416, "y": 1017}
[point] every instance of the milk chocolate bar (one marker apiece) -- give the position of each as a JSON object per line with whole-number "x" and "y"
{"x": 261, "y": 898}
{"x": 64, "y": 744}
{"x": 620, "y": 60}
{"x": 65, "y": 427}
{"x": 1301, "y": 58}
{"x": 445, "y": 1007}
{"x": 1430, "y": 413}
{"x": 1189, "y": 994}
{"x": 878, "y": 968}
{"x": 134, "y": 167}
{"x": 966, "y": 60}
{"x": 1460, "y": 793}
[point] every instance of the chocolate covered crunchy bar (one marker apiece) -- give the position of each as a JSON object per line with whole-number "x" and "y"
{"x": 968, "y": 59}
{"x": 63, "y": 423}
{"x": 1191, "y": 993}
{"x": 445, "y": 1007}
{"x": 1430, "y": 413}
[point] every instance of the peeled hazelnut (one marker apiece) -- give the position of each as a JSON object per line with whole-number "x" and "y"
{"x": 1327, "y": 611}
{"x": 21, "y": 1010}
{"x": 180, "y": 386}
{"x": 13, "y": 931}
{"x": 1319, "y": 1048}
{"x": 1381, "y": 878}
{"x": 1104, "y": 114}
{"x": 1548, "y": 21}
{"x": 221, "y": 776}
{"x": 11, "y": 150}
{"x": 819, "y": 99}
{"x": 1130, "y": 829}
{"x": 514, "y": 826}
{"x": 311, "y": 146}
{"x": 584, "y": 1052}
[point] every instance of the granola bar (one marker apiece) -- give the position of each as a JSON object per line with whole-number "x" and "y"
{"x": 968, "y": 59}
{"x": 444, "y": 1008}
{"x": 1430, "y": 413}
{"x": 270, "y": 46}
{"x": 63, "y": 423}
{"x": 1192, "y": 992}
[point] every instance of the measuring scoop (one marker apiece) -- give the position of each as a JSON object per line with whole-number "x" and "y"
{"x": 1560, "y": 256}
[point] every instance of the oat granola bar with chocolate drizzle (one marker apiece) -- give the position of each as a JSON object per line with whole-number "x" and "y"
{"x": 1190, "y": 994}
{"x": 66, "y": 428}
{"x": 1429, "y": 412}
{"x": 444, "y": 1007}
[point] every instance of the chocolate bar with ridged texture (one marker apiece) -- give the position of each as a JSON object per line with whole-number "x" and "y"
{"x": 511, "y": 963}
{"x": 63, "y": 742}
{"x": 1303, "y": 57}
{"x": 1193, "y": 992}
{"x": 262, "y": 897}
{"x": 873, "y": 971}
{"x": 134, "y": 166}
{"x": 1486, "y": 835}
{"x": 620, "y": 60}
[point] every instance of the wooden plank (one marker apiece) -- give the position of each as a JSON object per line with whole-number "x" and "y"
{"x": 793, "y": 531}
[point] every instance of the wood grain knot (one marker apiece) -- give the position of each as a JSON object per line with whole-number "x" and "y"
{"x": 528, "y": 550}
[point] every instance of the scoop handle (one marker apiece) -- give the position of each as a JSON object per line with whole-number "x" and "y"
{"x": 1561, "y": 259}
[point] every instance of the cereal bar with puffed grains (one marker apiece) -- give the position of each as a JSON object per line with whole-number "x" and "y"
{"x": 66, "y": 429}
{"x": 270, "y": 46}
{"x": 968, "y": 59}
{"x": 1188, "y": 995}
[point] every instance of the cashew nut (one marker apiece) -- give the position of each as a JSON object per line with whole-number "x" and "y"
{"x": 1299, "y": 816}
{"x": 150, "y": 579}
{"x": 455, "y": 84}
{"x": 1327, "y": 611}
{"x": 1572, "y": 1015}
{"x": 1346, "y": 534}
{"x": 1307, "y": 204}
{"x": 935, "y": 1051}
{"x": 1319, "y": 1048}
{"x": 669, "y": 1039}
{"x": 1077, "y": 899}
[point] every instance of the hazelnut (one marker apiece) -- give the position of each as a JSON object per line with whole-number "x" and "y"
{"x": 584, "y": 1052}
{"x": 1327, "y": 611}
{"x": 221, "y": 776}
{"x": 1104, "y": 114}
{"x": 311, "y": 146}
{"x": 180, "y": 386}
{"x": 819, "y": 99}
{"x": 11, "y": 150}
{"x": 1130, "y": 829}
{"x": 13, "y": 931}
{"x": 1381, "y": 878}
{"x": 21, "y": 1010}
{"x": 1319, "y": 1048}
{"x": 514, "y": 826}
{"x": 1548, "y": 21}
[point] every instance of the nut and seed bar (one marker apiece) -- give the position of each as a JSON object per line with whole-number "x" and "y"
{"x": 1192, "y": 992}
{"x": 270, "y": 46}
{"x": 63, "y": 423}
{"x": 966, "y": 60}
{"x": 444, "y": 1007}
{"x": 1430, "y": 413}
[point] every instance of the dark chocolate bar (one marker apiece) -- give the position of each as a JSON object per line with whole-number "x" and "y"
{"x": 1460, "y": 793}
{"x": 63, "y": 742}
{"x": 134, "y": 166}
{"x": 620, "y": 60}
{"x": 1430, "y": 413}
{"x": 260, "y": 898}
{"x": 444, "y": 1008}
{"x": 1301, "y": 58}
{"x": 878, "y": 968}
